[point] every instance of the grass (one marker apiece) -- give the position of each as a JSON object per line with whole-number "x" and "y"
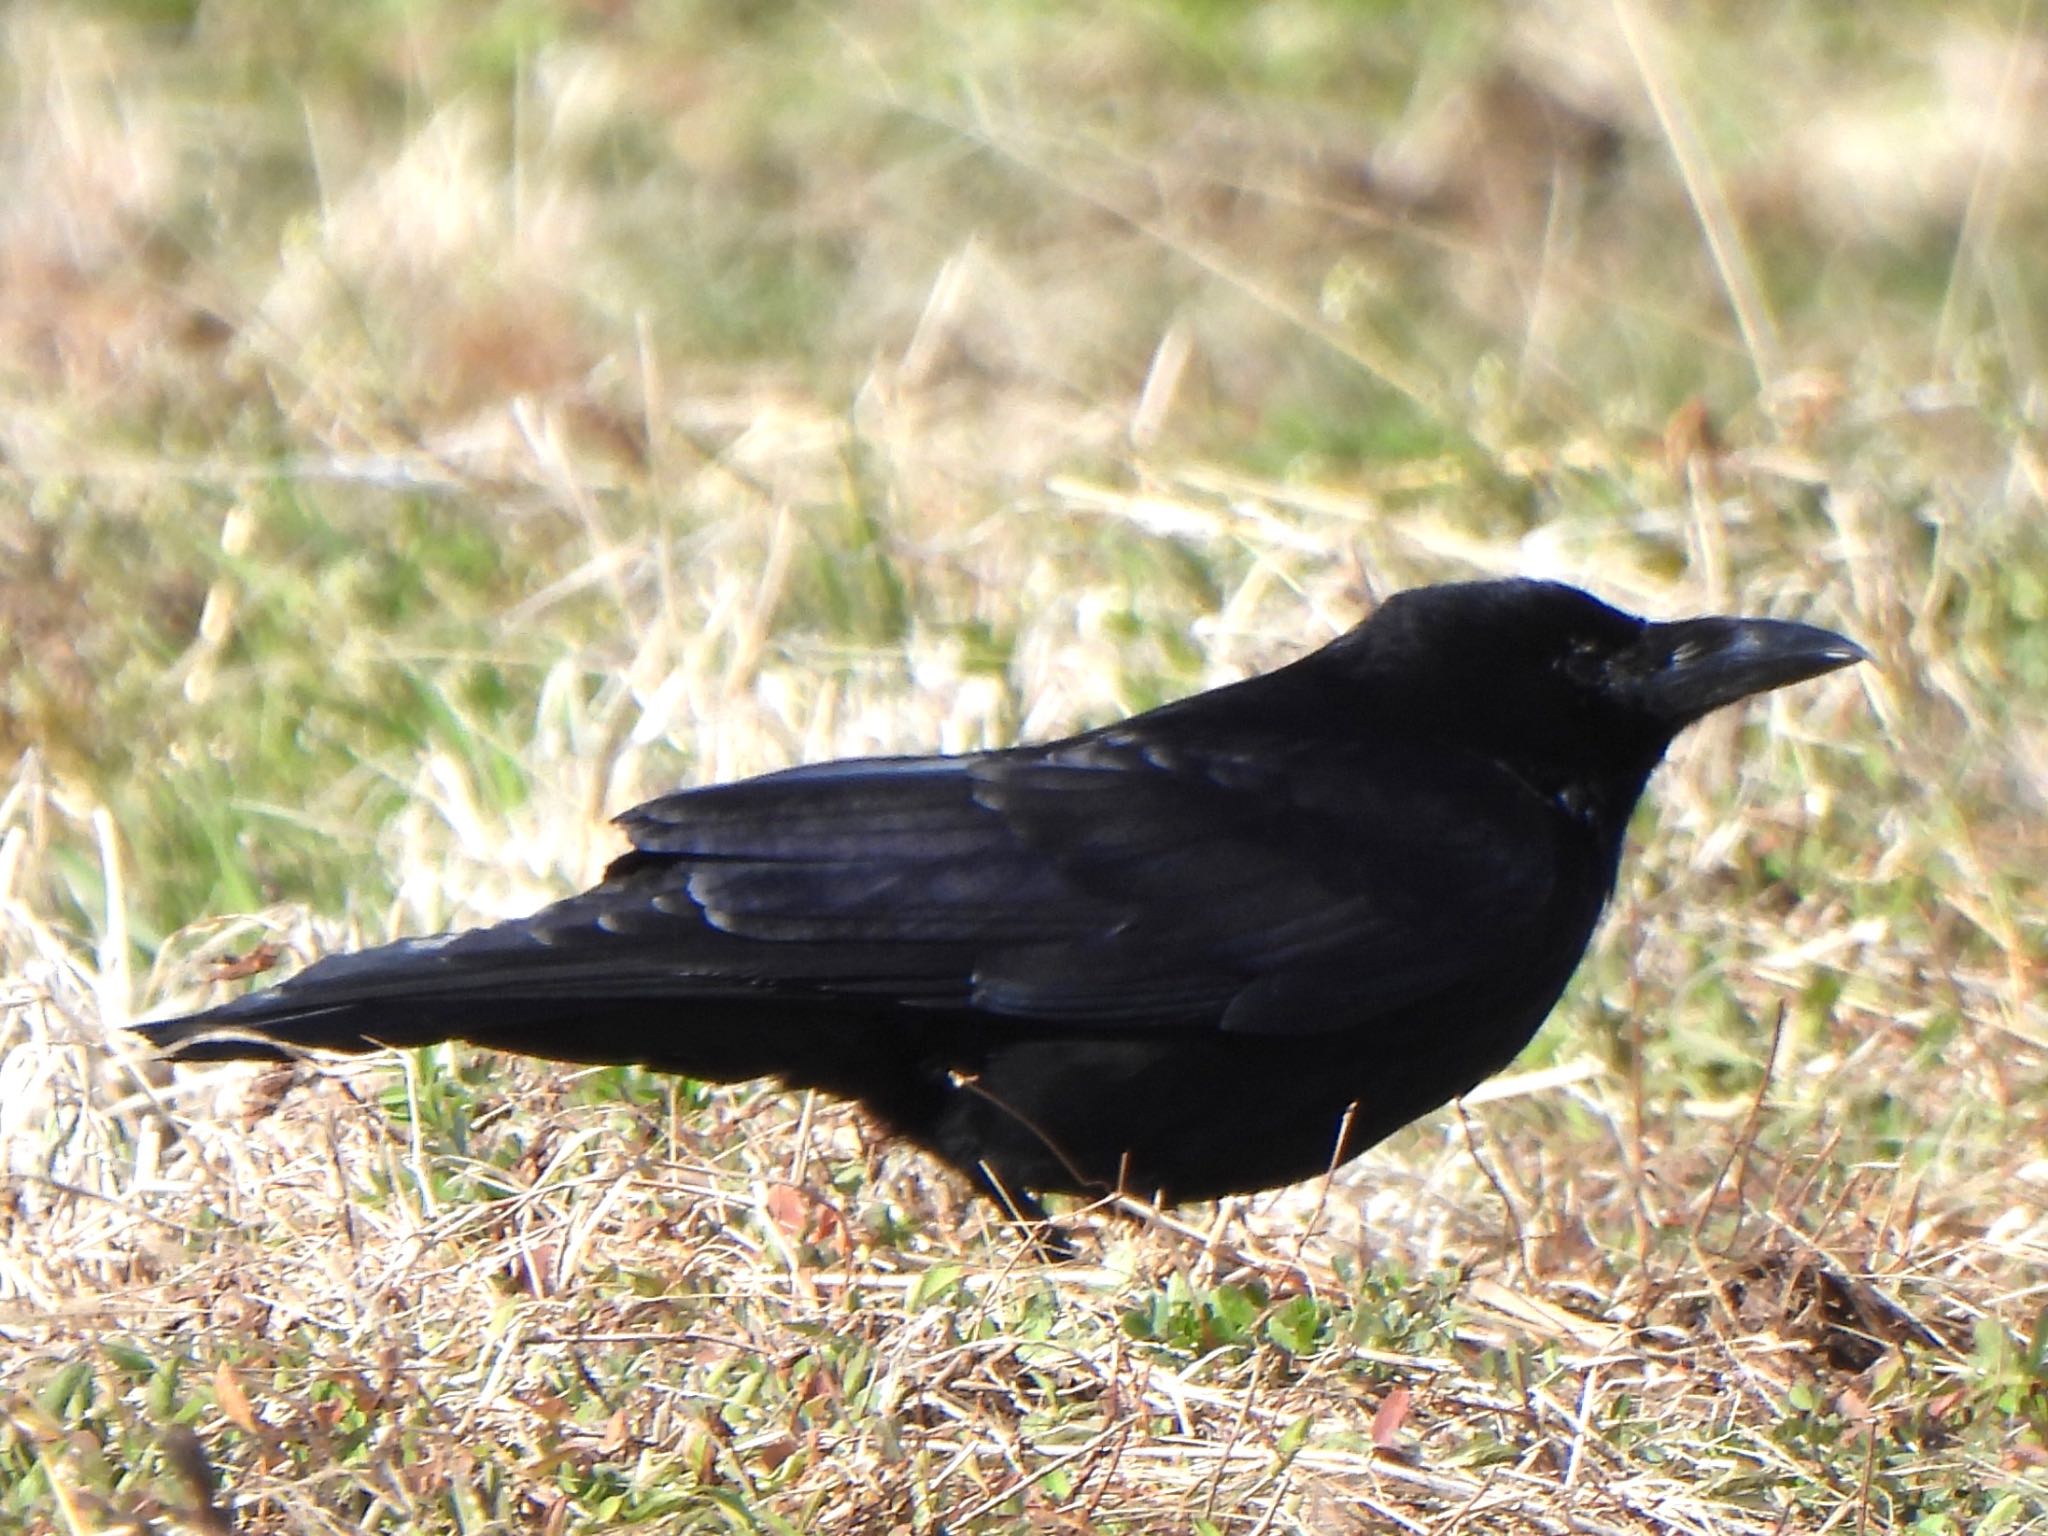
{"x": 424, "y": 431}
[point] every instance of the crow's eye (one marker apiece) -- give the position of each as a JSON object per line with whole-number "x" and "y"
{"x": 1583, "y": 658}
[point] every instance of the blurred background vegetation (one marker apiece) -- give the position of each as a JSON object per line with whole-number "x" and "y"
{"x": 427, "y": 428}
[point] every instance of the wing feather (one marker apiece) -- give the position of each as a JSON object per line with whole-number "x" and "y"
{"x": 1080, "y": 884}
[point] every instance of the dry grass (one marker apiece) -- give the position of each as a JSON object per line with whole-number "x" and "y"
{"x": 419, "y": 440}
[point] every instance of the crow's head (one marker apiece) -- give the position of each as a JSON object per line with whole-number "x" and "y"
{"x": 1562, "y": 687}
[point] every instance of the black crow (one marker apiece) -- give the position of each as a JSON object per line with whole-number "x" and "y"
{"x": 1213, "y": 948}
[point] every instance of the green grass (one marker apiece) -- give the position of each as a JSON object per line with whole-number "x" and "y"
{"x": 424, "y": 431}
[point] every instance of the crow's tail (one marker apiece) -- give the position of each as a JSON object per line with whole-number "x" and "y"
{"x": 414, "y": 992}
{"x": 518, "y": 987}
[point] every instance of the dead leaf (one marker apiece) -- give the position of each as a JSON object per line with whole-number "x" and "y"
{"x": 265, "y": 1092}
{"x": 233, "y": 1401}
{"x": 790, "y": 1209}
{"x": 1389, "y": 1417}
{"x": 1690, "y": 440}
{"x": 543, "y": 1404}
{"x": 262, "y": 958}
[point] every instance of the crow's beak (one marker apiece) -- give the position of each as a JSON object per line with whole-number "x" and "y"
{"x": 1690, "y": 668}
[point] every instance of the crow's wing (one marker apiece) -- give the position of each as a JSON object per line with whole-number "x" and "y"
{"x": 1097, "y": 882}
{"x": 1104, "y": 882}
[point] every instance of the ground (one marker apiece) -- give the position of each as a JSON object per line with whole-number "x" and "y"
{"x": 427, "y": 429}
